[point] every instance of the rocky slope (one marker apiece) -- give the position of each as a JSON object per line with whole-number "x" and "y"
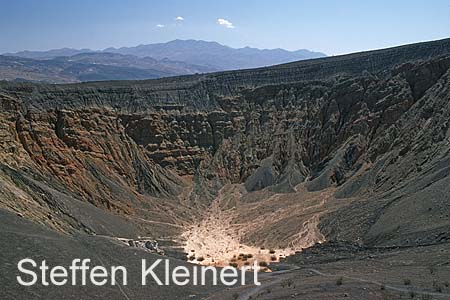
{"x": 369, "y": 130}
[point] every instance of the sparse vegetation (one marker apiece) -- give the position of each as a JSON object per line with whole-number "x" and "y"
{"x": 200, "y": 258}
{"x": 339, "y": 281}
{"x": 263, "y": 264}
{"x": 406, "y": 281}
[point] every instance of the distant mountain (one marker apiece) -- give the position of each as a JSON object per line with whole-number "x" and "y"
{"x": 179, "y": 57}
{"x": 215, "y": 55}
{"x": 49, "y": 54}
{"x": 168, "y": 66}
{"x": 91, "y": 67}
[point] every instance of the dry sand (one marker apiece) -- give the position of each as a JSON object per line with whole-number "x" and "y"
{"x": 216, "y": 241}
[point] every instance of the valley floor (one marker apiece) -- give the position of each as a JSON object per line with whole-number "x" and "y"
{"x": 236, "y": 230}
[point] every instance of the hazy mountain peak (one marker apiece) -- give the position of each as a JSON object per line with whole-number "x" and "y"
{"x": 218, "y": 56}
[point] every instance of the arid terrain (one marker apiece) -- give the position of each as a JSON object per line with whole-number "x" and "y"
{"x": 332, "y": 173}
{"x": 223, "y": 236}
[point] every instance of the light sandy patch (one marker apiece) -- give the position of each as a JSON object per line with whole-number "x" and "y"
{"x": 216, "y": 241}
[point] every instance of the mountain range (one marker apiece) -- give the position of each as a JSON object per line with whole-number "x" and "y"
{"x": 178, "y": 57}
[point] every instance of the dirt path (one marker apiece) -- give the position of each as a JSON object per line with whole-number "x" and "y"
{"x": 273, "y": 279}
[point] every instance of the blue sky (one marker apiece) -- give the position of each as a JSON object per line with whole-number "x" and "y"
{"x": 333, "y": 27}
